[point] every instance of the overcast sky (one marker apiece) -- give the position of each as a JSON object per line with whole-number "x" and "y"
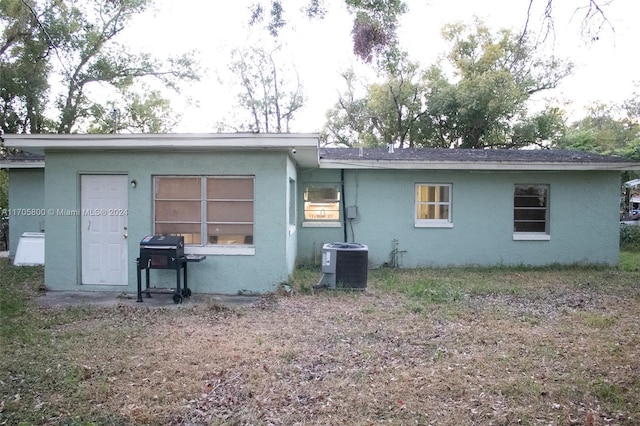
{"x": 605, "y": 71}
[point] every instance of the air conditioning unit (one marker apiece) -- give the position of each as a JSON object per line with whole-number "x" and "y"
{"x": 344, "y": 265}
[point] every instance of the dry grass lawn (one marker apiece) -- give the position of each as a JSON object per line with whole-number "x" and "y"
{"x": 441, "y": 347}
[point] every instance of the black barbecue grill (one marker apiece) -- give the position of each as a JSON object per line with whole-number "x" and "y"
{"x": 164, "y": 252}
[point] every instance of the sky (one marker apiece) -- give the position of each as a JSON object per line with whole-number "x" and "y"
{"x": 605, "y": 71}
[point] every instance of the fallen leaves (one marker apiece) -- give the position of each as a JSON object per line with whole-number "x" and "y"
{"x": 367, "y": 358}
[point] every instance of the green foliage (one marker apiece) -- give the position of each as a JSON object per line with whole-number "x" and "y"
{"x": 303, "y": 279}
{"x": 23, "y": 68}
{"x": 481, "y": 103}
{"x": 607, "y": 129}
{"x": 4, "y": 191}
{"x": 145, "y": 112}
{"x": 276, "y": 17}
{"x": 74, "y": 42}
{"x": 435, "y": 291}
{"x": 611, "y": 393}
{"x": 599, "y": 321}
{"x": 629, "y": 260}
{"x": 629, "y": 237}
{"x": 17, "y": 284}
{"x": 540, "y": 128}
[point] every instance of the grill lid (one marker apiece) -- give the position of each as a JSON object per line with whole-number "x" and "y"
{"x": 162, "y": 241}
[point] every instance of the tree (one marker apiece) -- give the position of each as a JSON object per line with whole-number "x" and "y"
{"x": 4, "y": 192}
{"x": 348, "y": 123}
{"x": 607, "y": 129}
{"x": 267, "y": 99}
{"x": 481, "y": 103}
{"x": 375, "y": 21}
{"x": 143, "y": 113}
{"x": 77, "y": 42}
{"x": 594, "y": 18}
{"x": 392, "y": 112}
{"x": 495, "y": 74}
{"x": 24, "y": 68}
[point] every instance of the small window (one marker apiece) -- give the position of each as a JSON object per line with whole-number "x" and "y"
{"x": 322, "y": 206}
{"x": 205, "y": 210}
{"x": 531, "y": 212}
{"x": 292, "y": 205}
{"x": 433, "y": 205}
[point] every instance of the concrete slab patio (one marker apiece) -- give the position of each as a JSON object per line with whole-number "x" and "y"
{"x": 61, "y": 299}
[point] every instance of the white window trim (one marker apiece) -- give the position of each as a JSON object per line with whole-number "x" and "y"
{"x": 220, "y": 249}
{"x": 531, "y": 236}
{"x": 433, "y": 223}
{"x": 293, "y": 206}
{"x": 321, "y": 224}
{"x": 537, "y": 236}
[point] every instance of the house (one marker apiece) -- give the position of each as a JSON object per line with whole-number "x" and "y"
{"x": 258, "y": 205}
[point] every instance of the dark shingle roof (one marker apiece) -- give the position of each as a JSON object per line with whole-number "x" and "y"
{"x": 470, "y": 155}
{"x": 488, "y": 159}
{"x": 19, "y": 159}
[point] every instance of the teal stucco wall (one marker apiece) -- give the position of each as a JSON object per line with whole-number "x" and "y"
{"x": 584, "y": 211}
{"x": 223, "y": 274}
{"x": 26, "y": 204}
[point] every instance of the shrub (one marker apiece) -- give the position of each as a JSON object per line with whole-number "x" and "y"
{"x": 630, "y": 237}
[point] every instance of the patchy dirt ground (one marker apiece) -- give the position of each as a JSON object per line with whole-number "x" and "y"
{"x": 545, "y": 349}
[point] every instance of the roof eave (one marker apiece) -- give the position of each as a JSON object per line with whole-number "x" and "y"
{"x": 466, "y": 165}
{"x": 162, "y": 140}
{"x": 302, "y": 147}
{"x": 4, "y": 164}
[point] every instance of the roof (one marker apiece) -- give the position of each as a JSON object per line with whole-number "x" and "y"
{"x": 471, "y": 159}
{"x": 302, "y": 147}
{"x": 21, "y": 160}
{"x": 632, "y": 183}
{"x": 304, "y": 150}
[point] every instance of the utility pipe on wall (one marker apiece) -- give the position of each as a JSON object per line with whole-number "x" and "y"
{"x": 344, "y": 207}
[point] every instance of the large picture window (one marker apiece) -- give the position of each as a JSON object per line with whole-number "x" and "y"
{"x": 205, "y": 210}
{"x": 433, "y": 205}
{"x": 322, "y": 205}
{"x": 531, "y": 211}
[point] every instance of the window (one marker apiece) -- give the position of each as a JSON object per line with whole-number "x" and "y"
{"x": 292, "y": 206}
{"x": 205, "y": 210}
{"x": 322, "y": 206}
{"x": 531, "y": 212}
{"x": 433, "y": 205}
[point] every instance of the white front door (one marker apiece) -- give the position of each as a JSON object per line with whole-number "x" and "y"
{"x": 104, "y": 229}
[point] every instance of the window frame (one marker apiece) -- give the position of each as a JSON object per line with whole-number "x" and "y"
{"x": 293, "y": 205}
{"x": 433, "y": 223}
{"x": 322, "y": 223}
{"x": 206, "y": 248}
{"x": 532, "y": 235}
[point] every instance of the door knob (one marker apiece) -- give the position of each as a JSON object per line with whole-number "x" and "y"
{"x": 125, "y": 236}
